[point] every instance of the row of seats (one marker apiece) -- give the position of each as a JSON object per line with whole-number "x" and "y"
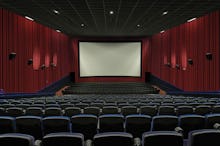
{"x": 89, "y": 125}
{"x": 116, "y": 99}
{"x": 196, "y": 138}
{"x": 126, "y": 110}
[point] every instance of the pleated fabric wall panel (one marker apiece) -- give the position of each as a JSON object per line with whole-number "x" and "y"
{"x": 30, "y": 40}
{"x": 191, "y": 40}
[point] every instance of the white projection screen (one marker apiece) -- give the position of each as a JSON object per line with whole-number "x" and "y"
{"x": 103, "y": 59}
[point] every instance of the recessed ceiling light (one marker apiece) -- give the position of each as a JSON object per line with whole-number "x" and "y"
{"x": 191, "y": 19}
{"x": 82, "y": 24}
{"x": 165, "y": 12}
{"x": 29, "y": 18}
{"x": 162, "y": 31}
{"x": 58, "y": 30}
{"x": 56, "y": 12}
{"x": 138, "y": 25}
{"x": 111, "y": 12}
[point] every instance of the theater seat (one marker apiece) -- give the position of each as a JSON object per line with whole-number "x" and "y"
{"x": 7, "y": 124}
{"x": 53, "y": 111}
{"x": 111, "y": 123}
{"x": 15, "y": 139}
{"x": 128, "y": 110}
{"x": 211, "y": 119}
{"x": 31, "y": 125}
{"x": 137, "y": 124}
{"x": 113, "y": 139}
{"x": 191, "y": 122}
{"x": 110, "y": 110}
{"x": 205, "y": 137}
{"x": 63, "y": 139}
{"x": 166, "y": 110}
{"x": 92, "y": 110}
{"x": 85, "y": 124}
{"x": 34, "y": 111}
{"x": 164, "y": 123}
{"x": 14, "y": 111}
{"x": 148, "y": 110}
{"x": 71, "y": 111}
{"x": 56, "y": 124}
{"x": 183, "y": 110}
{"x": 162, "y": 138}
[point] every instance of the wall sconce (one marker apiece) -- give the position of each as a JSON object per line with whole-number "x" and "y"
{"x": 177, "y": 66}
{"x": 168, "y": 64}
{"x": 190, "y": 61}
{"x": 53, "y": 64}
{"x": 12, "y": 55}
{"x": 30, "y": 61}
{"x": 208, "y": 56}
{"x": 43, "y": 66}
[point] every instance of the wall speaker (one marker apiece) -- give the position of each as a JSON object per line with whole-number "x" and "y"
{"x": 12, "y": 55}
{"x": 208, "y": 56}
{"x": 190, "y": 61}
{"x": 30, "y": 61}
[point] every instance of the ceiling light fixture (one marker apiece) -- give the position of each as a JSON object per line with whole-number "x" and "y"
{"x": 162, "y": 31}
{"x": 138, "y": 25}
{"x": 56, "y": 12}
{"x": 58, "y": 30}
{"x": 111, "y": 12}
{"x": 191, "y": 19}
{"x": 29, "y": 18}
{"x": 82, "y": 24}
{"x": 165, "y": 12}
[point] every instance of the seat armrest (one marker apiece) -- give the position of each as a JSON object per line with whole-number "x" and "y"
{"x": 37, "y": 143}
{"x": 216, "y": 126}
{"x": 179, "y": 130}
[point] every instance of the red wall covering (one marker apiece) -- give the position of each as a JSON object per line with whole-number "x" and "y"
{"x": 145, "y": 47}
{"x": 31, "y": 41}
{"x": 189, "y": 40}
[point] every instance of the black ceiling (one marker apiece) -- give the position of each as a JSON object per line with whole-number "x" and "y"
{"x": 94, "y": 14}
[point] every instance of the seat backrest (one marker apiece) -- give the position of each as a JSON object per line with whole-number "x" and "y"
{"x": 53, "y": 111}
{"x": 110, "y": 110}
{"x": 92, "y": 110}
{"x": 191, "y": 122}
{"x": 2, "y": 112}
{"x": 205, "y": 137}
{"x": 56, "y": 124}
{"x": 137, "y": 124}
{"x": 216, "y": 109}
{"x": 15, "y": 139}
{"x": 31, "y": 125}
{"x": 183, "y": 110}
{"x": 164, "y": 123}
{"x": 113, "y": 138}
{"x": 111, "y": 123}
{"x": 85, "y": 124}
{"x": 211, "y": 119}
{"x": 7, "y": 124}
{"x": 65, "y": 139}
{"x": 203, "y": 109}
{"x": 148, "y": 110}
{"x": 166, "y": 110}
{"x": 71, "y": 111}
{"x": 128, "y": 110}
{"x": 14, "y": 111}
{"x": 161, "y": 138}
{"x": 34, "y": 111}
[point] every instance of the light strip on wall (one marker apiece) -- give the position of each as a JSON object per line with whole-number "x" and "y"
{"x": 191, "y": 19}
{"x": 29, "y": 18}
